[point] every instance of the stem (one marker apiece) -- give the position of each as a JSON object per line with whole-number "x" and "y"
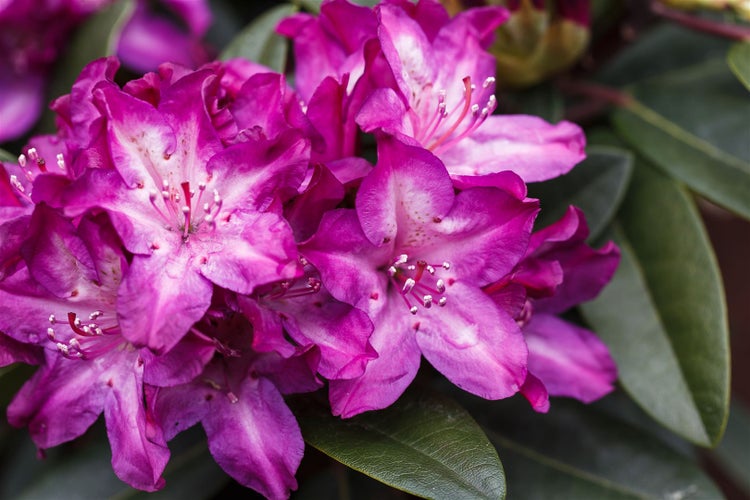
{"x": 727, "y": 30}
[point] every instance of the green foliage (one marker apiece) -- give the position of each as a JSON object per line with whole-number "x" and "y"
{"x": 578, "y": 452}
{"x": 663, "y": 316}
{"x": 739, "y": 62}
{"x": 259, "y": 41}
{"x": 96, "y": 38}
{"x": 423, "y": 444}
{"x": 596, "y": 186}
{"x": 705, "y": 144}
{"x": 5, "y": 156}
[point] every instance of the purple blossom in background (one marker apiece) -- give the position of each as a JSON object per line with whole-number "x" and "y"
{"x": 33, "y": 35}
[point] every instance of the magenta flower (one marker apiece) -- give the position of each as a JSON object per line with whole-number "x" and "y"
{"x": 237, "y": 398}
{"x": 414, "y": 256}
{"x": 558, "y": 272}
{"x": 180, "y": 201}
{"x": 444, "y": 98}
{"x": 64, "y": 301}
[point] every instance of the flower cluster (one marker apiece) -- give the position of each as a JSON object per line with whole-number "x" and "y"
{"x": 196, "y": 244}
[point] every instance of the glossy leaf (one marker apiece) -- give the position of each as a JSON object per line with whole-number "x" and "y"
{"x": 739, "y": 62}
{"x": 596, "y": 186}
{"x": 96, "y": 37}
{"x": 577, "y": 452}
{"x": 423, "y": 444}
{"x": 259, "y": 42}
{"x": 703, "y": 144}
{"x": 733, "y": 454}
{"x": 663, "y": 316}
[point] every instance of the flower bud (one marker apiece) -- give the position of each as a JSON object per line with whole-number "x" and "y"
{"x": 539, "y": 39}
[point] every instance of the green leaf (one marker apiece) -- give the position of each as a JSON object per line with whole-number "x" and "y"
{"x": 663, "y": 316}
{"x": 739, "y": 62}
{"x": 666, "y": 48}
{"x": 596, "y": 186}
{"x": 423, "y": 444}
{"x": 259, "y": 42}
{"x": 733, "y": 453}
{"x": 6, "y": 156}
{"x": 577, "y": 452}
{"x": 693, "y": 124}
{"x": 95, "y": 38}
{"x": 542, "y": 100}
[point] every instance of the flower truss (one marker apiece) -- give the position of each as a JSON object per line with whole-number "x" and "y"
{"x": 195, "y": 244}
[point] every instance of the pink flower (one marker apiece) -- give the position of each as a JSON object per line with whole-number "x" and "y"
{"x": 237, "y": 398}
{"x": 180, "y": 200}
{"x": 63, "y": 300}
{"x": 558, "y": 272}
{"x": 444, "y": 98}
{"x": 414, "y": 256}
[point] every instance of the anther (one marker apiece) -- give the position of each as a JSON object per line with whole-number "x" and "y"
{"x": 440, "y": 285}
{"x": 443, "y": 301}
{"x": 52, "y": 318}
{"x": 61, "y": 161}
{"x": 427, "y": 301}
{"x": 446, "y": 265}
{"x": 413, "y": 309}
{"x": 408, "y": 285}
{"x": 22, "y": 160}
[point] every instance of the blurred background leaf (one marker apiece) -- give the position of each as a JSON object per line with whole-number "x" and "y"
{"x": 259, "y": 42}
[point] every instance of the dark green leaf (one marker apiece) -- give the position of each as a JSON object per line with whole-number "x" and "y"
{"x": 694, "y": 125}
{"x": 5, "y": 156}
{"x": 665, "y": 48}
{"x": 95, "y": 38}
{"x": 739, "y": 62}
{"x": 259, "y": 42}
{"x": 733, "y": 453}
{"x": 424, "y": 444}
{"x": 596, "y": 186}
{"x": 577, "y": 452}
{"x": 543, "y": 100}
{"x": 663, "y": 316}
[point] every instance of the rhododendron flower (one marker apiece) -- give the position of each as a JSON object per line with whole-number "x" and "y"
{"x": 444, "y": 98}
{"x": 558, "y": 272}
{"x": 64, "y": 301}
{"x": 237, "y": 398}
{"x": 414, "y": 256}
{"x": 193, "y": 212}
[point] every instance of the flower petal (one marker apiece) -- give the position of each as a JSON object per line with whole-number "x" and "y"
{"x": 161, "y": 297}
{"x": 255, "y": 438}
{"x": 569, "y": 360}
{"x": 474, "y": 344}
